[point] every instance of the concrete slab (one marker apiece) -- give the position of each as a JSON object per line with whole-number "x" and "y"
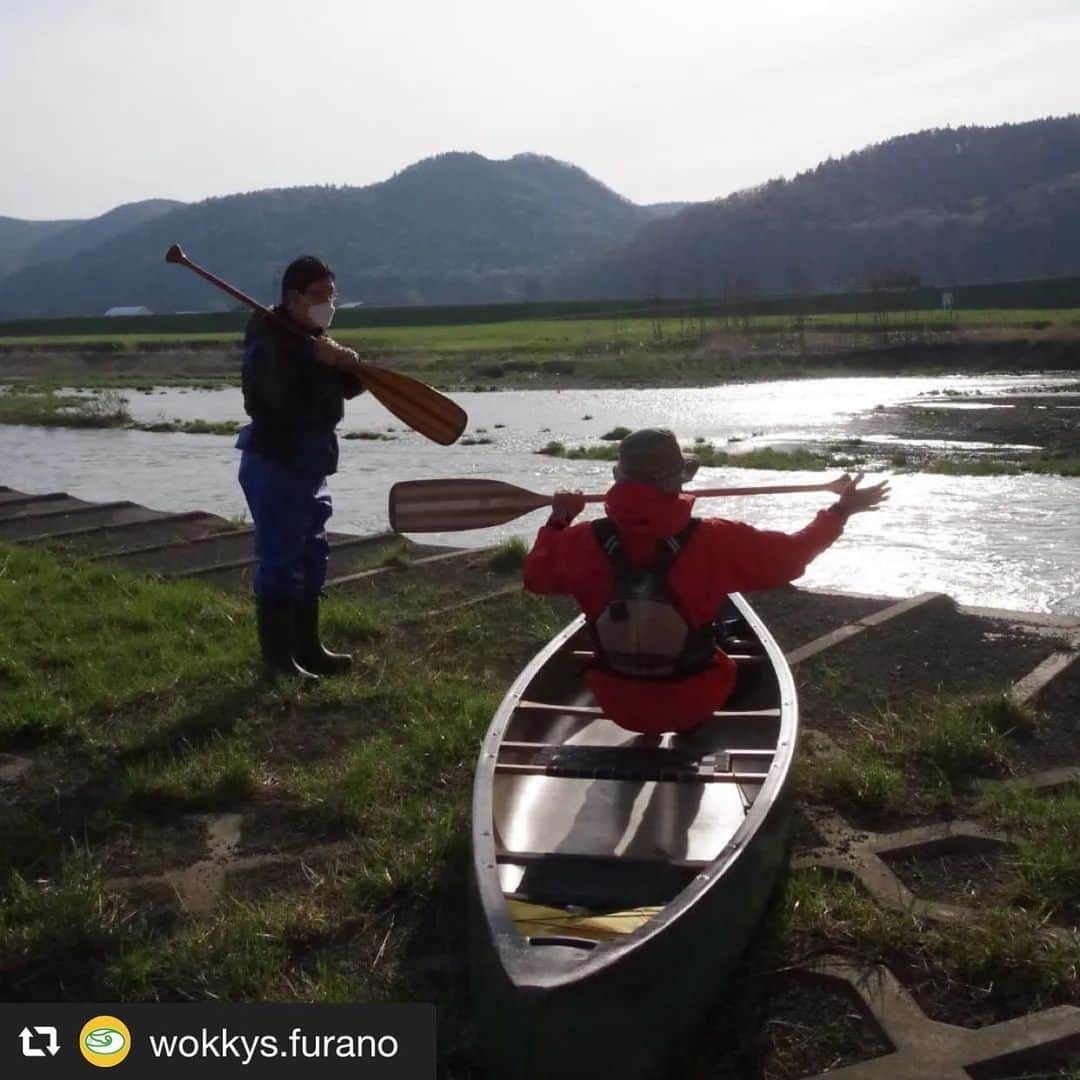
{"x": 108, "y": 540}
{"x": 43, "y": 506}
{"x": 93, "y": 516}
{"x": 929, "y": 1050}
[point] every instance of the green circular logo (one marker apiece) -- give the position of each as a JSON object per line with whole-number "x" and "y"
{"x": 105, "y": 1040}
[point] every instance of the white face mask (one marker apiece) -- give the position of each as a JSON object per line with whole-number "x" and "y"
{"x": 322, "y": 314}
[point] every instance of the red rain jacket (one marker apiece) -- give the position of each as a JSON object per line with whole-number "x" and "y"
{"x": 721, "y": 557}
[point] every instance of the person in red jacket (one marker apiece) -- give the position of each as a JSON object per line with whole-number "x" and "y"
{"x": 647, "y": 506}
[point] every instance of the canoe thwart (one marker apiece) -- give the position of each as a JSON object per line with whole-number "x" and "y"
{"x": 633, "y": 763}
{"x": 739, "y": 658}
{"x": 595, "y": 710}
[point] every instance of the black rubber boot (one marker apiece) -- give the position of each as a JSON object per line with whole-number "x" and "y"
{"x": 310, "y": 652}
{"x": 277, "y": 638}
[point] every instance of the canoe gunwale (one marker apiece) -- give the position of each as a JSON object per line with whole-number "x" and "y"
{"x": 517, "y": 955}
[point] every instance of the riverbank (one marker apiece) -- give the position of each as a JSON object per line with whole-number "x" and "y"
{"x": 675, "y": 357}
{"x": 239, "y": 842}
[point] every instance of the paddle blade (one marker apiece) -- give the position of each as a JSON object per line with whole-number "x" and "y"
{"x": 415, "y": 403}
{"x": 454, "y": 505}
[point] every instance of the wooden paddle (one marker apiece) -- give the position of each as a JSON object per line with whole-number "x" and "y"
{"x": 454, "y": 505}
{"x": 415, "y": 403}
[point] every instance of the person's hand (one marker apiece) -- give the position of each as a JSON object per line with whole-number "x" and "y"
{"x": 856, "y": 500}
{"x": 330, "y": 353}
{"x": 566, "y": 505}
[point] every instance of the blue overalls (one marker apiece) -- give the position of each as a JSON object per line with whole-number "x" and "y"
{"x": 289, "y": 449}
{"x": 290, "y": 505}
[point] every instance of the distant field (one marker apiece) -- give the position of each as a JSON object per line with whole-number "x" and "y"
{"x": 556, "y": 334}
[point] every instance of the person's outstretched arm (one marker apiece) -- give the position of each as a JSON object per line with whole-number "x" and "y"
{"x": 765, "y": 559}
{"x": 543, "y": 570}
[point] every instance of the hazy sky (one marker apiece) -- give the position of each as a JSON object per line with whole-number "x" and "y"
{"x": 108, "y": 101}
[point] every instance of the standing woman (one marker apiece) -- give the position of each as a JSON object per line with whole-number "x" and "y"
{"x": 295, "y": 389}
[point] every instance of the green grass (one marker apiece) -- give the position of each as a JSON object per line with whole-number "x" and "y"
{"x": 192, "y": 427}
{"x": 80, "y": 639}
{"x": 221, "y": 773}
{"x": 560, "y": 333}
{"x": 105, "y": 409}
{"x": 138, "y": 704}
{"x": 1046, "y": 870}
{"x": 1002, "y": 950}
{"x": 51, "y": 409}
{"x": 510, "y": 556}
{"x": 920, "y": 754}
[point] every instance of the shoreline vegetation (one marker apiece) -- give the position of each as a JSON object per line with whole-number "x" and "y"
{"x": 589, "y": 353}
{"x": 108, "y": 409}
{"x": 72, "y": 383}
{"x": 849, "y": 454}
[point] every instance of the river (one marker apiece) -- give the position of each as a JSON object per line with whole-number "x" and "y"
{"x": 1000, "y": 541}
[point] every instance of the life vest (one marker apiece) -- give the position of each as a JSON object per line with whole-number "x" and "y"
{"x": 643, "y": 632}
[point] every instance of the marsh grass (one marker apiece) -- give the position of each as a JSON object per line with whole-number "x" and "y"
{"x": 189, "y": 427}
{"x": 765, "y": 458}
{"x": 374, "y": 436}
{"x": 47, "y": 408}
{"x": 1053, "y": 464}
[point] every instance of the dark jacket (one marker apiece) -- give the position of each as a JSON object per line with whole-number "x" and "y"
{"x": 721, "y": 557}
{"x": 294, "y": 401}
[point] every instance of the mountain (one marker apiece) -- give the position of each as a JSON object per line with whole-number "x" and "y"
{"x": 451, "y": 229}
{"x": 85, "y": 235}
{"x": 23, "y": 243}
{"x": 948, "y": 206}
{"x": 17, "y": 237}
{"x": 945, "y": 206}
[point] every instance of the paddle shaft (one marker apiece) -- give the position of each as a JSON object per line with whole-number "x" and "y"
{"x": 418, "y": 405}
{"x": 176, "y": 255}
{"x": 473, "y": 503}
{"x": 716, "y": 493}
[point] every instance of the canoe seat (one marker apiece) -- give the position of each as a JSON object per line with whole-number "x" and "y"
{"x": 599, "y": 881}
{"x": 631, "y": 763}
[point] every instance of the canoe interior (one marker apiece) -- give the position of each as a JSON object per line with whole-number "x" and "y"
{"x": 590, "y": 817}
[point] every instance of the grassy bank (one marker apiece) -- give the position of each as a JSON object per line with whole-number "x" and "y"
{"x": 103, "y": 408}
{"x": 559, "y": 333}
{"x": 141, "y": 725}
{"x": 137, "y": 706}
{"x": 535, "y": 353}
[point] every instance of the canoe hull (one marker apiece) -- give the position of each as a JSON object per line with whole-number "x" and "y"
{"x": 631, "y": 1020}
{"x": 554, "y": 1006}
